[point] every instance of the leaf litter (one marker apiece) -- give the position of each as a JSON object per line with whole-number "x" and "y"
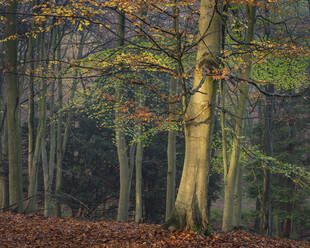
{"x": 18, "y": 230}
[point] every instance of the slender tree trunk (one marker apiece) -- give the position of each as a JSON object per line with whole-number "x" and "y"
{"x": 47, "y": 205}
{"x": 257, "y": 221}
{"x": 139, "y": 156}
{"x": 15, "y": 170}
{"x": 4, "y": 179}
{"x": 237, "y": 199}
{"x": 171, "y": 148}
{"x": 31, "y": 136}
{"x": 230, "y": 177}
{"x": 288, "y": 206}
{"x": 33, "y": 175}
{"x": 49, "y": 166}
{"x": 266, "y": 227}
{"x": 191, "y": 203}
{"x": 60, "y": 146}
{"x": 268, "y": 149}
{"x": 62, "y": 140}
{"x": 123, "y": 203}
{"x": 171, "y": 153}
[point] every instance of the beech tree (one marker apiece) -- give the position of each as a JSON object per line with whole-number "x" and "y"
{"x": 190, "y": 208}
{"x": 11, "y": 78}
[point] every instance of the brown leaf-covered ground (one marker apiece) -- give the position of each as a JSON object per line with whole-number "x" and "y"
{"x": 37, "y": 231}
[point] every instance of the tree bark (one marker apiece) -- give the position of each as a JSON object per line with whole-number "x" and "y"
{"x": 139, "y": 156}
{"x": 123, "y": 203}
{"x": 171, "y": 148}
{"x": 60, "y": 146}
{"x": 33, "y": 172}
{"x": 15, "y": 170}
{"x": 237, "y": 199}
{"x": 171, "y": 154}
{"x": 190, "y": 208}
{"x": 4, "y": 179}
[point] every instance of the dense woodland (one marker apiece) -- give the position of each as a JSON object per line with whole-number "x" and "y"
{"x": 189, "y": 114}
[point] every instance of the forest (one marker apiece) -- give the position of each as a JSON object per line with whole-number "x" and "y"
{"x": 155, "y": 117}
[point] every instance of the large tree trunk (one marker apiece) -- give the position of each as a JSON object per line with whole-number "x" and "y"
{"x": 191, "y": 204}
{"x": 15, "y": 170}
{"x": 230, "y": 177}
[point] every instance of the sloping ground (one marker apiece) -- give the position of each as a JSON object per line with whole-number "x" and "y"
{"x": 36, "y": 231}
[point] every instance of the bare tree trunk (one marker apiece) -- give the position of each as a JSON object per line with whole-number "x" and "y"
{"x": 49, "y": 166}
{"x": 268, "y": 149}
{"x": 171, "y": 148}
{"x": 60, "y": 146}
{"x": 15, "y": 170}
{"x": 230, "y": 177}
{"x": 123, "y": 203}
{"x": 33, "y": 175}
{"x": 237, "y": 199}
{"x": 31, "y": 136}
{"x": 171, "y": 154}
{"x": 139, "y": 156}
{"x": 191, "y": 203}
{"x": 61, "y": 141}
{"x": 4, "y": 175}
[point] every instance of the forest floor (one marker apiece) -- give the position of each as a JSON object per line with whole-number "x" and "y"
{"x": 36, "y": 231}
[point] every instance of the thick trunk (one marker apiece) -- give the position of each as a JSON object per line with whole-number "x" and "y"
{"x": 15, "y": 170}
{"x": 171, "y": 155}
{"x": 230, "y": 177}
{"x": 191, "y": 203}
